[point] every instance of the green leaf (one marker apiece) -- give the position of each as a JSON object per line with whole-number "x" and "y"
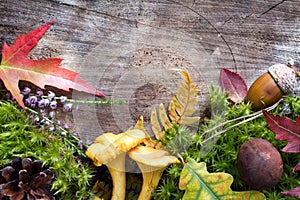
{"x": 198, "y": 183}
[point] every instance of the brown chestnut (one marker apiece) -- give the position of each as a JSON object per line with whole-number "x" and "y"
{"x": 271, "y": 86}
{"x": 259, "y": 164}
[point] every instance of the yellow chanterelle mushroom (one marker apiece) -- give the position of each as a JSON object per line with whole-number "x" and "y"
{"x": 110, "y": 149}
{"x": 152, "y": 162}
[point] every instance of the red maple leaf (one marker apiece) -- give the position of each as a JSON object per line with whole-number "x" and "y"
{"x": 285, "y": 129}
{"x": 288, "y": 130}
{"x": 234, "y": 84}
{"x": 15, "y": 66}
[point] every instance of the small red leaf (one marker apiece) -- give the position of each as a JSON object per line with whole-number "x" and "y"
{"x": 288, "y": 130}
{"x": 285, "y": 129}
{"x": 16, "y": 66}
{"x": 294, "y": 192}
{"x": 297, "y": 167}
{"x": 234, "y": 84}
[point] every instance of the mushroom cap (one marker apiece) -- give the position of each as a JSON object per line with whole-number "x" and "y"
{"x": 108, "y": 146}
{"x": 103, "y": 149}
{"x": 284, "y": 76}
{"x": 129, "y": 139}
{"x": 152, "y": 157}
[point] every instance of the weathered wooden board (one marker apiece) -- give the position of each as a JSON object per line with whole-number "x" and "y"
{"x": 130, "y": 50}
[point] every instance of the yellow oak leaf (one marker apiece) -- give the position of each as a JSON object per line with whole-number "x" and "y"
{"x": 199, "y": 184}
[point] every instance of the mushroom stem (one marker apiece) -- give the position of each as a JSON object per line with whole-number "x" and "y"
{"x": 117, "y": 171}
{"x": 151, "y": 179}
{"x": 152, "y": 162}
{"x": 110, "y": 149}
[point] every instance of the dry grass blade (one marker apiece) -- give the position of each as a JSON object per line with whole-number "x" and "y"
{"x": 249, "y": 118}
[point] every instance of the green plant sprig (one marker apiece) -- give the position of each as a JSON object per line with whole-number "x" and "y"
{"x": 249, "y": 117}
{"x": 290, "y": 107}
{"x": 69, "y": 139}
{"x": 91, "y": 102}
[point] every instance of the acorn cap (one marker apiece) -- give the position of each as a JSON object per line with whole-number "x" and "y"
{"x": 284, "y": 76}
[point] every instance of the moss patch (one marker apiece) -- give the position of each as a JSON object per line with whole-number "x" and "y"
{"x": 222, "y": 157}
{"x": 19, "y": 137}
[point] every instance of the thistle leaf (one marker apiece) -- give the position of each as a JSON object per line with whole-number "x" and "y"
{"x": 200, "y": 184}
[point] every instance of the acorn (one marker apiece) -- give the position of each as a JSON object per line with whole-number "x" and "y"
{"x": 271, "y": 86}
{"x": 259, "y": 164}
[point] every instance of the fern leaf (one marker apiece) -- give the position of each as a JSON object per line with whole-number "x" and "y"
{"x": 186, "y": 77}
{"x": 140, "y": 125}
{"x": 174, "y": 113}
{"x": 189, "y": 120}
{"x": 180, "y": 110}
{"x": 164, "y": 119}
{"x": 155, "y": 126}
{"x": 183, "y": 105}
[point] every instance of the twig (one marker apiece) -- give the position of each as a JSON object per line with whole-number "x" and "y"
{"x": 252, "y": 116}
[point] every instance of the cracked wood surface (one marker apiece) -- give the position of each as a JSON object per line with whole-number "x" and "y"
{"x": 129, "y": 49}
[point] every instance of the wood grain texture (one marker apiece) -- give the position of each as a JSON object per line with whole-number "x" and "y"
{"x": 129, "y": 49}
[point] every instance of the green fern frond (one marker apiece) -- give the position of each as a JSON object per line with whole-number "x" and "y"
{"x": 180, "y": 110}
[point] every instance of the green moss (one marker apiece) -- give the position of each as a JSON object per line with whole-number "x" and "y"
{"x": 19, "y": 137}
{"x": 290, "y": 107}
{"x": 221, "y": 154}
